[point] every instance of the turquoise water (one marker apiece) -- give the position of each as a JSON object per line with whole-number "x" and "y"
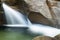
{"x": 11, "y": 35}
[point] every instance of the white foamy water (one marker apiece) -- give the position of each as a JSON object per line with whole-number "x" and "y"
{"x": 13, "y": 16}
{"x": 45, "y": 30}
{"x": 17, "y": 19}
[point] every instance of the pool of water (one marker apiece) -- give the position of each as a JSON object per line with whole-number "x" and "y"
{"x": 10, "y": 34}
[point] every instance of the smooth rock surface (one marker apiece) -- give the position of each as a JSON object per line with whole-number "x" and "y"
{"x": 43, "y": 38}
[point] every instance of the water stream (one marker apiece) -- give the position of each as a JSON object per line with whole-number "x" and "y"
{"x": 15, "y": 18}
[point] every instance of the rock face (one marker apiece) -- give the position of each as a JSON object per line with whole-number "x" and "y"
{"x": 42, "y": 8}
{"x": 47, "y": 8}
{"x": 43, "y": 38}
{"x": 54, "y": 5}
{"x": 38, "y": 18}
{"x": 57, "y": 37}
{"x": 39, "y": 6}
{"x": 2, "y": 21}
{"x": 9, "y": 2}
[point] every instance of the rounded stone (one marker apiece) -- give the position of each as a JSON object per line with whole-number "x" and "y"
{"x": 43, "y": 38}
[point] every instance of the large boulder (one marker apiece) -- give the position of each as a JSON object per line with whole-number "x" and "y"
{"x": 43, "y": 7}
{"x": 43, "y": 38}
{"x": 57, "y": 37}
{"x": 36, "y": 17}
{"x": 39, "y": 6}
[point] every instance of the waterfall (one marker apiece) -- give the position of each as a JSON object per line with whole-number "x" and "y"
{"x": 14, "y": 17}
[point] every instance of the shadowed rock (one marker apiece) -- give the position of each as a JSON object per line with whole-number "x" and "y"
{"x": 36, "y": 17}
{"x": 57, "y": 37}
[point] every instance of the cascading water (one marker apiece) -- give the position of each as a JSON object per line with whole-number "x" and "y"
{"x": 44, "y": 30}
{"x": 14, "y": 17}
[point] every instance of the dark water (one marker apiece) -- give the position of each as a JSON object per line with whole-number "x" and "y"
{"x": 14, "y": 34}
